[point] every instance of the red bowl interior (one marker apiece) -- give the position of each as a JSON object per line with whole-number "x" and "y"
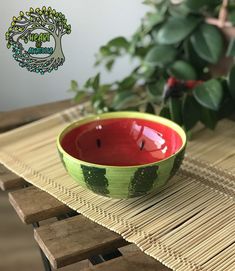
{"x": 121, "y": 142}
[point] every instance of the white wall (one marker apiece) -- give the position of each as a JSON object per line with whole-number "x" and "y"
{"x": 93, "y": 22}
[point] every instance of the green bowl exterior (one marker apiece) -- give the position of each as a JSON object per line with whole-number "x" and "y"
{"x": 123, "y": 182}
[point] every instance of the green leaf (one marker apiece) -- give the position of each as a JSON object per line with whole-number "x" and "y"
{"x": 153, "y": 19}
{"x": 99, "y": 106}
{"x": 127, "y": 83}
{"x": 104, "y": 51}
{"x": 191, "y": 112}
{"x": 179, "y": 10}
{"x": 93, "y": 82}
{"x": 227, "y": 108}
{"x": 120, "y": 42}
{"x": 104, "y": 88}
{"x": 74, "y": 86}
{"x": 231, "y": 48}
{"x": 208, "y": 117}
{"x": 176, "y": 29}
{"x": 165, "y": 113}
{"x": 79, "y": 96}
{"x": 109, "y": 64}
{"x": 123, "y": 100}
{"x": 153, "y": 2}
{"x": 141, "y": 51}
{"x": 231, "y": 17}
{"x": 145, "y": 71}
{"x": 209, "y": 94}
{"x": 88, "y": 83}
{"x": 231, "y": 82}
{"x": 208, "y": 43}
{"x": 155, "y": 91}
{"x": 196, "y": 61}
{"x": 150, "y": 108}
{"x": 198, "y": 4}
{"x": 175, "y": 107}
{"x": 134, "y": 41}
{"x": 182, "y": 70}
{"x": 96, "y": 82}
{"x": 161, "y": 55}
{"x": 228, "y": 104}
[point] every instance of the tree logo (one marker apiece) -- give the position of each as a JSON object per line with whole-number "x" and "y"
{"x": 36, "y": 39}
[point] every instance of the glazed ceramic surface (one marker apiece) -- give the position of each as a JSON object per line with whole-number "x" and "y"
{"x": 122, "y": 154}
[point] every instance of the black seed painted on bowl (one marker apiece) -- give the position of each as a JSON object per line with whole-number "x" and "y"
{"x": 142, "y": 145}
{"x": 98, "y": 143}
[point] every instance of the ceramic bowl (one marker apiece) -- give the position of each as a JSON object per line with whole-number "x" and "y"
{"x": 122, "y": 154}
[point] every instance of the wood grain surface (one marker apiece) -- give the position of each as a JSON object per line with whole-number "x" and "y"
{"x": 9, "y": 180}
{"x": 19, "y": 117}
{"x": 136, "y": 261}
{"x": 34, "y": 205}
{"x": 75, "y": 239}
{"x": 18, "y": 249}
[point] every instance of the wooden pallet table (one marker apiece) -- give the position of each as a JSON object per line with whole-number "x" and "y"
{"x": 70, "y": 237}
{"x": 9, "y": 180}
{"x": 34, "y": 205}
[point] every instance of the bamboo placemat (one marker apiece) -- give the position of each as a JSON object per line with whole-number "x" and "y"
{"x": 188, "y": 225}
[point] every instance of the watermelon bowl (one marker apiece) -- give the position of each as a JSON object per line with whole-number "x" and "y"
{"x": 122, "y": 154}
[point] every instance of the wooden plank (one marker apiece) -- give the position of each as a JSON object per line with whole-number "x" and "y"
{"x": 16, "y": 118}
{"x": 9, "y": 180}
{"x": 34, "y": 205}
{"x": 132, "y": 261}
{"x": 75, "y": 239}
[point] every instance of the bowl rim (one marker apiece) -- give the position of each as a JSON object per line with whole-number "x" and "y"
{"x": 121, "y": 114}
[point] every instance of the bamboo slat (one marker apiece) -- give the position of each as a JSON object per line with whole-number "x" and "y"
{"x": 188, "y": 225}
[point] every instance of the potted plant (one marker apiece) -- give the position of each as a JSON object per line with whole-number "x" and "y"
{"x": 185, "y": 51}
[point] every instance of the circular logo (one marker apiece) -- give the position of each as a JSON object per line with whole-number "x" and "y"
{"x": 35, "y": 38}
